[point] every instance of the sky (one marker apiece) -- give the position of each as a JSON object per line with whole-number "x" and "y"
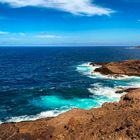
{"x": 69, "y": 22}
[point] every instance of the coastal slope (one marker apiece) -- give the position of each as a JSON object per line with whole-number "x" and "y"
{"x": 113, "y": 121}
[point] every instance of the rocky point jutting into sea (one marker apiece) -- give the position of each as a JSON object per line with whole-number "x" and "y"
{"x": 113, "y": 121}
{"x": 131, "y": 68}
{"x": 138, "y": 47}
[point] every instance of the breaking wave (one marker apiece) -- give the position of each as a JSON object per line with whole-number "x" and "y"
{"x": 44, "y": 114}
{"x": 103, "y": 89}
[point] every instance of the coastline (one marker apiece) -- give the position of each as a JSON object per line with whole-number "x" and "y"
{"x": 128, "y": 67}
{"x": 97, "y": 123}
{"x": 137, "y": 47}
{"x": 121, "y": 120}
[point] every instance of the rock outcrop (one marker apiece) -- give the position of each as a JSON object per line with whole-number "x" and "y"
{"x": 138, "y": 47}
{"x": 113, "y": 121}
{"x": 129, "y": 67}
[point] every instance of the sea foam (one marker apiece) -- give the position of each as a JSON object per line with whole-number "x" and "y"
{"x": 120, "y": 82}
{"x": 100, "y": 94}
{"x": 89, "y": 70}
{"x": 51, "y": 113}
{"x": 98, "y": 89}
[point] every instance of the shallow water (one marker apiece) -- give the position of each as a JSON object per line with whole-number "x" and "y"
{"x": 44, "y": 82}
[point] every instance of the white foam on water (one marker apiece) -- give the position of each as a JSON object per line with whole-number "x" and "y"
{"x": 112, "y": 77}
{"x": 123, "y": 82}
{"x": 134, "y": 82}
{"x": 105, "y": 93}
{"x": 44, "y": 114}
{"x": 89, "y": 70}
{"x": 86, "y": 68}
{"x": 98, "y": 89}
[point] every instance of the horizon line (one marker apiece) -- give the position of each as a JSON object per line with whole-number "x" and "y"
{"x": 68, "y": 45}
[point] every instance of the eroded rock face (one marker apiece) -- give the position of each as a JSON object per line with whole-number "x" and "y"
{"x": 113, "y": 121}
{"x": 129, "y": 67}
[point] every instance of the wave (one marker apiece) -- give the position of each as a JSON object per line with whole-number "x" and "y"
{"x": 119, "y": 82}
{"x": 89, "y": 70}
{"x": 98, "y": 89}
{"x": 100, "y": 93}
{"x": 45, "y": 114}
{"x": 86, "y": 68}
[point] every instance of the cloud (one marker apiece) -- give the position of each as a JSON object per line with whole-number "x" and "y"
{"x": 22, "y": 34}
{"x": 13, "y": 38}
{"x": 76, "y": 7}
{"x": 4, "y": 33}
{"x": 13, "y": 35}
{"x": 19, "y": 34}
{"x": 45, "y": 35}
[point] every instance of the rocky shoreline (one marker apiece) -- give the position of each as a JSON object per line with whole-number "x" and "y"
{"x": 138, "y": 47}
{"x": 129, "y": 67}
{"x": 113, "y": 121}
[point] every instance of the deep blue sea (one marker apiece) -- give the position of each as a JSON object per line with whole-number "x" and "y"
{"x": 37, "y": 82}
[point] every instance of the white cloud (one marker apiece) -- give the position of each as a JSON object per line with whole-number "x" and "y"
{"x": 13, "y": 35}
{"x": 3, "y": 33}
{"x": 45, "y": 35}
{"x": 22, "y": 34}
{"x": 6, "y": 33}
{"x": 13, "y": 38}
{"x": 77, "y": 7}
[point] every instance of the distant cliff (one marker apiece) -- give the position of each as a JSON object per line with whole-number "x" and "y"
{"x": 138, "y": 47}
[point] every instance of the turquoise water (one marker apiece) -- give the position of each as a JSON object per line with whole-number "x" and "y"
{"x": 44, "y": 82}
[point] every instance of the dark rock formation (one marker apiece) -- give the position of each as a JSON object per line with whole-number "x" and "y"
{"x": 125, "y": 90}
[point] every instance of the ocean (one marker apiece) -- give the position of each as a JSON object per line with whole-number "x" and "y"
{"x": 38, "y": 82}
